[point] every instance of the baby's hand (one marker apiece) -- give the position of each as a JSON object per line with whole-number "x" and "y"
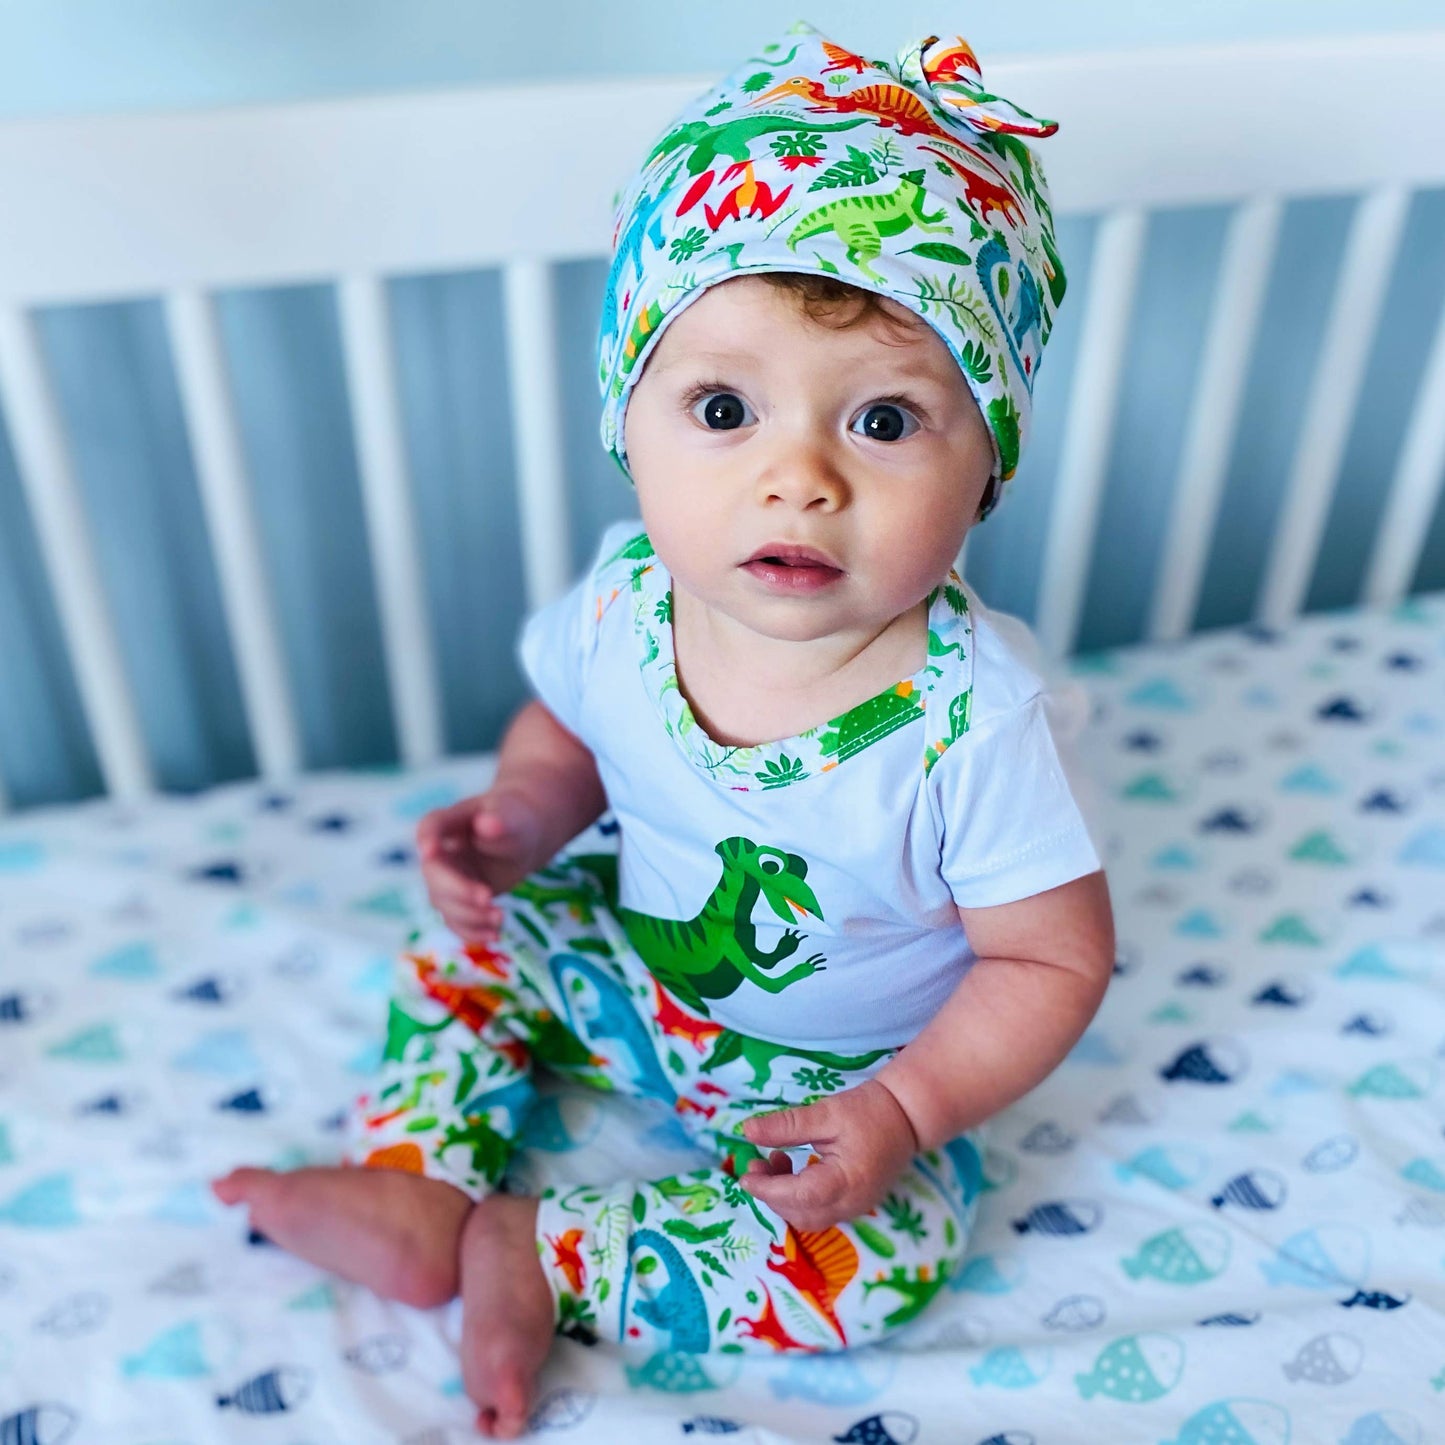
{"x": 862, "y": 1141}
{"x": 473, "y": 851}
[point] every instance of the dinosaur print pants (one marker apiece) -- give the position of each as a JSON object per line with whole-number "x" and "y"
{"x": 689, "y": 1263}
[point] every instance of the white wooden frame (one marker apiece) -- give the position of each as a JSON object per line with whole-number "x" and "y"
{"x": 178, "y": 206}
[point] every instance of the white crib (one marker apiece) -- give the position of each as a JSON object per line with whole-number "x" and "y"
{"x": 137, "y": 1306}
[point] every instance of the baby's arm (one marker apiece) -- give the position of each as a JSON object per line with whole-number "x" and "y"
{"x": 546, "y": 790}
{"x": 1042, "y": 966}
{"x": 553, "y": 773}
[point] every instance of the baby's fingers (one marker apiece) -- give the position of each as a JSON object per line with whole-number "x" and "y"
{"x": 810, "y": 1199}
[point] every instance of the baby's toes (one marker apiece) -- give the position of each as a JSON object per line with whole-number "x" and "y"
{"x": 243, "y": 1186}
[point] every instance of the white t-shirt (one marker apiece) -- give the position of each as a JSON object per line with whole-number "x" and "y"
{"x": 812, "y": 882}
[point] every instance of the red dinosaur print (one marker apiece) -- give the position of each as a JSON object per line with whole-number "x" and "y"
{"x": 769, "y": 1327}
{"x": 679, "y": 1024}
{"x": 819, "y": 1264}
{"x": 982, "y": 195}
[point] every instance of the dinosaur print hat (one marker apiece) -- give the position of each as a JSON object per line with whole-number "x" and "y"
{"x": 907, "y": 179}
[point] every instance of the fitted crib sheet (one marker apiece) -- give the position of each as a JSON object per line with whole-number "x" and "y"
{"x": 1221, "y": 1219}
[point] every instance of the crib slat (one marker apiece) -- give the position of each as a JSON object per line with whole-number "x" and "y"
{"x": 58, "y": 513}
{"x": 1375, "y": 231}
{"x": 390, "y": 519}
{"x": 1109, "y": 301}
{"x": 231, "y": 523}
{"x": 530, "y": 311}
{"x": 1249, "y": 251}
{"x": 1415, "y": 489}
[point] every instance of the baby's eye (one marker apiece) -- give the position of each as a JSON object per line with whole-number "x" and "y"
{"x": 721, "y": 410}
{"x": 885, "y": 422}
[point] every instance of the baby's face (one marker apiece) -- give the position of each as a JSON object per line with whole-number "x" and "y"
{"x": 753, "y": 430}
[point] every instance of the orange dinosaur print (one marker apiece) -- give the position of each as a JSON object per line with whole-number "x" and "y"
{"x": 840, "y": 59}
{"x": 957, "y": 62}
{"x": 887, "y": 104}
{"x": 769, "y": 1328}
{"x": 474, "y": 1006}
{"x": 490, "y": 960}
{"x": 405, "y": 1157}
{"x": 565, "y": 1256}
{"x": 819, "y": 1264}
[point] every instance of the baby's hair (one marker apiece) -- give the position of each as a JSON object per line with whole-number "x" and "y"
{"x": 841, "y": 306}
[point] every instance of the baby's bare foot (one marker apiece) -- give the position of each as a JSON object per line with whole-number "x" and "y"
{"x": 507, "y": 1312}
{"x": 396, "y": 1233}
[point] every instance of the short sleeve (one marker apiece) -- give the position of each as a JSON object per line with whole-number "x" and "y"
{"x": 1010, "y": 825}
{"x": 555, "y": 649}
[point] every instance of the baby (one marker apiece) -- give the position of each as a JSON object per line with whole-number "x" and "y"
{"x": 855, "y": 909}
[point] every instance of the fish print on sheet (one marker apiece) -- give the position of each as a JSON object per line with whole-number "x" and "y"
{"x": 1236, "y": 1176}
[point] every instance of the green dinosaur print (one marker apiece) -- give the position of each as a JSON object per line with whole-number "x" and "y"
{"x": 490, "y": 1150}
{"x": 733, "y": 138}
{"x": 861, "y": 222}
{"x": 401, "y": 1029}
{"x": 957, "y": 726}
{"x": 710, "y": 955}
{"x": 917, "y": 1289}
{"x": 761, "y": 1055}
{"x": 871, "y": 720}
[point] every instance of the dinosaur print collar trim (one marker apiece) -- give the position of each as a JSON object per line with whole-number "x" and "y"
{"x": 938, "y": 694}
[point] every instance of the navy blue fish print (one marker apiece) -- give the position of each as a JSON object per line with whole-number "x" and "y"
{"x": 1256, "y": 1189}
{"x": 892, "y": 1427}
{"x": 1233, "y": 1319}
{"x": 228, "y": 870}
{"x": 1341, "y": 709}
{"x": 1375, "y": 1299}
{"x": 1060, "y": 1217}
{"x": 39, "y": 1425}
{"x": 1198, "y": 1065}
{"x": 278, "y": 1390}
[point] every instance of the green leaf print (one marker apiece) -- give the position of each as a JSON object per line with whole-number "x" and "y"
{"x": 904, "y": 1217}
{"x": 756, "y": 82}
{"x": 785, "y": 770}
{"x": 801, "y": 145}
{"x": 646, "y": 1264}
{"x": 978, "y": 361}
{"x": 857, "y": 170}
{"x": 942, "y": 251}
{"x": 875, "y": 1239}
{"x": 687, "y": 245}
{"x": 955, "y": 599}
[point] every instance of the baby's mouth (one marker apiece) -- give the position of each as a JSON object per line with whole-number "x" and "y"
{"x": 794, "y": 557}
{"x": 791, "y": 568}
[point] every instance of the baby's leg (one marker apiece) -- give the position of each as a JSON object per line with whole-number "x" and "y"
{"x": 693, "y": 1263}
{"x": 395, "y": 1233}
{"x": 435, "y": 1134}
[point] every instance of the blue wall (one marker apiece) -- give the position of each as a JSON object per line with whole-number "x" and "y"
{"x": 117, "y": 389}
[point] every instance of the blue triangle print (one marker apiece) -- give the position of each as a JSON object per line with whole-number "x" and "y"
{"x": 1427, "y": 847}
{"x": 134, "y": 961}
{"x": 1159, "y": 692}
{"x": 1309, "y": 779}
{"x": 1199, "y": 924}
{"x": 1176, "y": 857}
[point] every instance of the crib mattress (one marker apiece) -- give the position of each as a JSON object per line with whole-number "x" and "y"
{"x": 1221, "y": 1219}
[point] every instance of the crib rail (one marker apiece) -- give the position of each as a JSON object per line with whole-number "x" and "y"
{"x": 180, "y": 206}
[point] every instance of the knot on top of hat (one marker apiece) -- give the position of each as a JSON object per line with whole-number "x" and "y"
{"x": 949, "y": 72}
